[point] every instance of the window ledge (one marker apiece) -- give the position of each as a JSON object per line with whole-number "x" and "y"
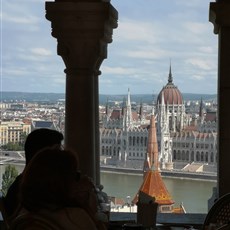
{"x": 193, "y": 219}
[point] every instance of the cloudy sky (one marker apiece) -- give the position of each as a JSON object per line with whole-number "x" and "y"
{"x": 150, "y": 33}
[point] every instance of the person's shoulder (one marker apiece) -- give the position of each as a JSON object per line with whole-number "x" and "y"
{"x": 45, "y": 219}
{"x": 70, "y": 218}
{"x": 14, "y": 187}
{"x": 79, "y": 216}
{"x": 11, "y": 199}
{"x": 17, "y": 179}
{"x": 30, "y": 221}
{"x": 76, "y": 211}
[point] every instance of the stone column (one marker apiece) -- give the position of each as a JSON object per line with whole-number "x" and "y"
{"x": 219, "y": 16}
{"x": 83, "y": 29}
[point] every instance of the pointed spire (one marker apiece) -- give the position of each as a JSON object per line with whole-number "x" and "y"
{"x": 153, "y": 184}
{"x": 141, "y": 110}
{"x": 170, "y": 78}
{"x": 152, "y": 148}
{"x": 123, "y": 107}
{"x": 153, "y": 110}
{"x": 107, "y": 107}
{"x": 128, "y": 117}
{"x": 129, "y": 101}
{"x": 201, "y": 108}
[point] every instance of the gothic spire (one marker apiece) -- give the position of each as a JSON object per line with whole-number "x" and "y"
{"x": 170, "y": 78}
{"x": 129, "y": 101}
{"x": 129, "y": 119}
{"x": 123, "y": 106}
{"x": 152, "y": 148}
{"x": 153, "y": 185}
{"x": 141, "y": 110}
{"x": 201, "y": 114}
{"x": 107, "y": 107}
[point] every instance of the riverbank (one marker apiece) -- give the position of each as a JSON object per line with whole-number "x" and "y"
{"x": 205, "y": 176}
{"x": 165, "y": 173}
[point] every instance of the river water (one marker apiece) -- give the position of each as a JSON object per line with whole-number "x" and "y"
{"x": 193, "y": 193}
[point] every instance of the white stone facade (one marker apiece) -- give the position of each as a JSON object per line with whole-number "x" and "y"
{"x": 123, "y": 139}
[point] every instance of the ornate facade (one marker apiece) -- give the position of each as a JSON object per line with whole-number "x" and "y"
{"x": 123, "y": 137}
{"x": 195, "y": 147}
{"x": 181, "y": 141}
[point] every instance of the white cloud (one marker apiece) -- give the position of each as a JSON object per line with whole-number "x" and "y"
{"x": 14, "y": 72}
{"x": 197, "y": 77}
{"x": 148, "y": 35}
{"x": 207, "y": 49}
{"x": 196, "y": 28}
{"x": 41, "y": 51}
{"x": 59, "y": 80}
{"x": 19, "y": 19}
{"x": 147, "y": 53}
{"x": 117, "y": 70}
{"x": 136, "y": 30}
{"x": 36, "y": 1}
{"x": 200, "y": 63}
{"x": 29, "y": 58}
{"x": 193, "y": 3}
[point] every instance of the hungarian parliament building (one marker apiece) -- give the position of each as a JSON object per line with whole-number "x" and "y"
{"x": 187, "y": 137}
{"x": 186, "y": 140}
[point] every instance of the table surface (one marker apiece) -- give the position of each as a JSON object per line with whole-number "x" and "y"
{"x": 127, "y": 226}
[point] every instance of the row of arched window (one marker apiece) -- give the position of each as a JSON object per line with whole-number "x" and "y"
{"x": 113, "y": 151}
{"x": 133, "y": 141}
{"x": 192, "y": 145}
{"x": 204, "y": 157}
{"x": 138, "y": 141}
{"x": 109, "y": 151}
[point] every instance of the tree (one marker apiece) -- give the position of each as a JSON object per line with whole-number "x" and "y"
{"x": 23, "y": 139}
{"x": 10, "y": 146}
{"x": 8, "y": 178}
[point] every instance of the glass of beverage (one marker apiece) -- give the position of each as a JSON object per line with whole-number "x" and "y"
{"x": 105, "y": 208}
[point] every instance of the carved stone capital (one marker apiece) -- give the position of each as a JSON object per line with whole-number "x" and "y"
{"x": 219, "y": 15}
{"x": 83, "y": 30}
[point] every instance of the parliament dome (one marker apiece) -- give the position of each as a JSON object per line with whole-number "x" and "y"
{"x": 170, "y": 93}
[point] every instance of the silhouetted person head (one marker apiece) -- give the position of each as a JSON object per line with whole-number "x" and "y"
{"x": 39, "y": 139}
{"x": 49, "y": 179}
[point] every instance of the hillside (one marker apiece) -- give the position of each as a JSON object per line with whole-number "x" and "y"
{"x": 52, "y": 97}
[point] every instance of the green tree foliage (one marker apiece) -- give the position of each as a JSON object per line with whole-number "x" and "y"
{"x": 16, "y": 146}
{"x": 8, "y": 178}
{"x": 23, "y": 139}
{"x": 12, "y": 147}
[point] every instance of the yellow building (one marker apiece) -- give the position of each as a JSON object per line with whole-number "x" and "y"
{"x": 11, "y": 131}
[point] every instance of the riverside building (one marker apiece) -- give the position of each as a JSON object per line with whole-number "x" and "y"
{"x": 186, "y": 141}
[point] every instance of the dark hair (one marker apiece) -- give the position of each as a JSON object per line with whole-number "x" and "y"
{"x": 48, "y": 179}
{"x": 39, "y": 139}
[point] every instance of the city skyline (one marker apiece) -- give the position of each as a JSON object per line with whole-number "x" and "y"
{"x": 149, "y": 37}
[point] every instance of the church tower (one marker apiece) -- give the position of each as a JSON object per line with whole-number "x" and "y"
{"x": 153, "y": 184}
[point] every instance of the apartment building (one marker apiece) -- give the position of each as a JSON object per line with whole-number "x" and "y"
{"x": 11, "y": 131}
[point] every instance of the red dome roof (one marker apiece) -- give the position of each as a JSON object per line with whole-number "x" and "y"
{"x": 171, "y": 93}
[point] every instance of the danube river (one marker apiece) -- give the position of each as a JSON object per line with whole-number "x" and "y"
{"x": 193, "y": 193}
